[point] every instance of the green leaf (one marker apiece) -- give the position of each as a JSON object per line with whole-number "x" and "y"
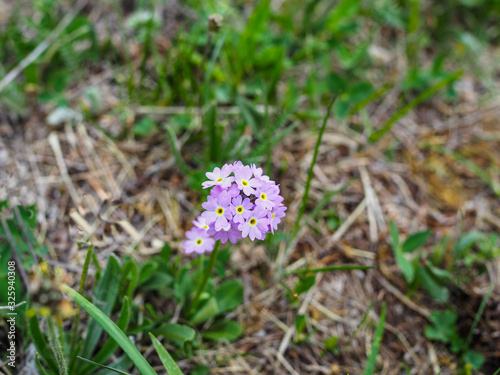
{"x": 39, "y": 366}
{"x": 300, "y": 323}
{"x": 377, "y": 340}
{"x": 343, "y": 267}
{"x": 341, "y": 13}
{"x": 229, "y": 295}
{"x": 166, "y": 359}
{"x": 415, "y": 240}
{"x": 474, "y": 358}
{"x": 102, "y": 366}
{"x": 177, "y": 333}
{"x": 114, "y": 331}
{"x": 304, "y": 284}
{"x": 394, "y": 231}
{"x": 144, "y": 127}
{"x": 110, "y": 345}
{"x": 223, "y": 330}
{"x": 331, "y": 343}
{"x": 107, "y": 291}
{"x": 465, "y": 243}
{"x": 431, "y": 285}
{"x": 406, "y": 267}
{"x": 207, "y": 310}
{"x": 41, "y": 344}
{"x": 444, "y": 327}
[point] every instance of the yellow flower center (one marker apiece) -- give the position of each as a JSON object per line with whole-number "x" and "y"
{"x": 253, "y": 221}
{"x": 239, "y": 209}
{"x": 199, "y": 241}
{"x": 272, "y": 216}
{"x": 219, "y": 179}
{"x": 244, "y": 182}
{"x": 263, "y": 196}
{"x": 206, "y": 226}
{"x": 219, "y": 211}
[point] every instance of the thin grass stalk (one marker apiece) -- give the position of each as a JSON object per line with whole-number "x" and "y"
{"x": 207, "y": 273}
{"x": 305, "y": 197}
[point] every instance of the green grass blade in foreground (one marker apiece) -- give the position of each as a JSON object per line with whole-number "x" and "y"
{"x": 105, "y": 296}
{"x": 165, "y": 357}
{"x": 419, "y": 99}
{"x": 114, "y": 331}
{"x": 41, "y": 344}
{"x": 175, "y": 151}
{"x": 103, "y": 366}
{"x": 83, "y": 280}
{"x": 497, "y": 372}
{"x": 310, "y": 174}
{"x": 345, "y": 267}
{"x": 479, "y": 313}
{"x": 377, "y": 339}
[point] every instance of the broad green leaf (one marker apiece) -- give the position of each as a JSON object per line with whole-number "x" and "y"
{"x": 474, "y": 358}
{"x": 415, "y": 240}
{"x": 110, "y": 345}
{"x": 407, "y": 267}
{"x": 207, "y": 310}
{"x": 304, "y": 284}
{"x": 114, "y": 331}
{"x": 465, "y": 243}
{"x": 166, "y": 359}
{"x": 107, "y": 291}
{"x": 443, "y": 327}
{"x": 223, "y": 330}
{"x": 178, "y": 333}
{"x": 229, "y": 295}
{"x": 431, "y": 285}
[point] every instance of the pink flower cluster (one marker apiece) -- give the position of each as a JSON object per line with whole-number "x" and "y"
{"x": 243, "y": 202}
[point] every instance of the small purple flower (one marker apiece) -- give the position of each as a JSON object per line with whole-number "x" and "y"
{"x": 275, "y": 217}
{"x": 231, "y": 232}
{"x": 219, "y": 177}
{"x": 243, "y": 177}
{"x": 198, "y": 241}
{"x": 218, "y": 210}
{"x": 268, "y": 196}
{"x": 240, "y": 208}
{"x": 257, "y": 172}
{"x": 201, "y": 223}
{"x": 256, "y": 225}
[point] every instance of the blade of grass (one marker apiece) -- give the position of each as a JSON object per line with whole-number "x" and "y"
{"x": 41, "y": 344}
{"x": 105, "y": 297}
{"x": 374, "y": 137}
{"x": 344, "y": 267}
{"x": 175, "y": 151}
{"x": 311, "y": 173}
{"x": 165, "y": 357}
{"x": 83, "y": 280}
{"x": 377, "y": 339}
{"x": 103, "y": 366}
{"x": 110, "y": 346}
{"x": 114, "y": 331}
{"x": 478, "y": 314}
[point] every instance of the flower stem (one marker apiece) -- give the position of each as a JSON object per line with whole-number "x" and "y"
{"x": 207, "y": 273}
